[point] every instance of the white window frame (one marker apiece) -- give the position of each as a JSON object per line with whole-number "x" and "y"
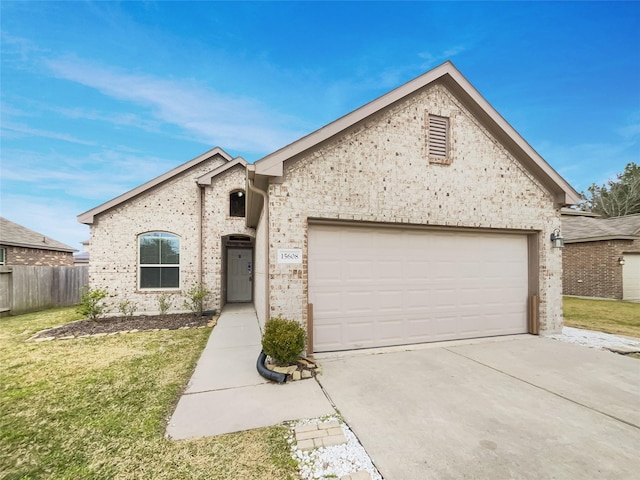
{"x": 159, "y": 265}
{"x": 244, "y": 194}
{"x": 3, "y": 256}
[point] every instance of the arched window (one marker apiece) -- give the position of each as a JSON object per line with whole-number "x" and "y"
{"x": 236, "y": 203}
{"x": 159, "y": 260}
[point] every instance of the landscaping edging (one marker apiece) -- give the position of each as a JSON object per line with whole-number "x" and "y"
{"x": 303, "y": 369}
{"x": 42, "y": 336}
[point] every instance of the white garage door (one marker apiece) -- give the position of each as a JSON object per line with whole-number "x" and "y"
{"x": 631, "y": 277}
{"x": 373, "y": 287}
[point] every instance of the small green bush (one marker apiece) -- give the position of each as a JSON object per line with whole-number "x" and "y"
{"x": 92, "y": 303}
{"x": 164, "y": 303}
{"x": 283, "y": 340}
{"x": 128, "y": 308}
{"x": 195, "y": 298}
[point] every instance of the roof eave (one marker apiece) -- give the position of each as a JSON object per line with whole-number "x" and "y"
{"x": 600, "y": 238}
{"x": 89, "y": 216}
{"x": 38, "y": 247}
{"x": 207, "y": 178}
{"x": 563, "y": 193}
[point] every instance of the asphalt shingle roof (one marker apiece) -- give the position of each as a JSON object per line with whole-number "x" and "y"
{"x": 577, "y": 228}
{"x": 12, "y": 234}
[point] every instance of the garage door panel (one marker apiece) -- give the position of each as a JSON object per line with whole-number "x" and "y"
{"x": 393, "y": 286}
{"x": 631, "y": 277}
{"x": 328, "y": 303}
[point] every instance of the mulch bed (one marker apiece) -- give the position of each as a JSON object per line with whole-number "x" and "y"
{"x": 122, "y": 324}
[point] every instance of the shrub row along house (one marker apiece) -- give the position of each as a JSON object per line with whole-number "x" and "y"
{"x": 418, "y": 217}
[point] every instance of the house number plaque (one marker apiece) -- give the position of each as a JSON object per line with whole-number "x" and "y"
{"x": 289, "y": 255}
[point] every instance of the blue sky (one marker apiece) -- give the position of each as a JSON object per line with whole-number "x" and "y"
{"x": 99, "y": 97}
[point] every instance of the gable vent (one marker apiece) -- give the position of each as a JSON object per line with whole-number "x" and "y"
{"x": 438, "y": 137}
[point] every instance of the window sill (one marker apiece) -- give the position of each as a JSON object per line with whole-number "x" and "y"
{"x": 158, "y": 290}
{"x": 440, "y": 161}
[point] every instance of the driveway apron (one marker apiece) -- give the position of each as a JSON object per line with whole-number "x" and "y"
{"x": 525, "y": 407}
{"x": 226, "y": 394}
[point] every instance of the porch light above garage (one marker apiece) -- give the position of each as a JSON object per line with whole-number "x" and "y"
{"x": 556, "y": 239}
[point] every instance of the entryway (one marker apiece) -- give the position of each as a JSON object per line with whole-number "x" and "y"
{"x": 239, "y": 274}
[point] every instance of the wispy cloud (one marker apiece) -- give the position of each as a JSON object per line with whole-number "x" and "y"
{"x": 207, "y": 115}
{"x": 431, "y": 59}
{"x": 580, "y": 161}
{"x": 17, "y": 130}
{"x": 53, "y": 217}
{"x": 93, "y": 178}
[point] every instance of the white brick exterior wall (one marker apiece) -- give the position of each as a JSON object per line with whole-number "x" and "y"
{"x": 217, "y": 224}
{"x": 172, "y": 207}
{"x": 378, "y": 171}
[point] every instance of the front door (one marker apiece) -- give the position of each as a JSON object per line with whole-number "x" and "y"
{"x": 239, "y": 274}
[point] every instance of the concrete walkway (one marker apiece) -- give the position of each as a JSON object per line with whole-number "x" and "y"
{"x": 226, "y": 394}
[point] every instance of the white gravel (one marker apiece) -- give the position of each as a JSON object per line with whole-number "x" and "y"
{"x": 332, "y": 462}
{"x": 593, "y": 339}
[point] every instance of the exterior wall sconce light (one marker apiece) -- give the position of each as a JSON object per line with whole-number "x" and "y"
{"x": 621, "y": 260}
{"x": 556, "y": 239}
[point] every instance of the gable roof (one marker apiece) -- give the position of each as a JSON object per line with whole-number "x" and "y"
{"x": 87, "y": 217}
{"x": 207, "y": 178}
{"x": 578, "y": 228}
{"x": 447, "y": 74}
{"x": 14, "y": 235}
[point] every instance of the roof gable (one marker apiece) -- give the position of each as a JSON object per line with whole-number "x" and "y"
{"x": 88, "y": 216}
{"x": 14, "y": 235}
{"x": 207, "y": 178}
{"x": 448, "y": 75}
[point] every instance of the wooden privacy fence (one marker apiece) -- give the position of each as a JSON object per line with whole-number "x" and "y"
{"x": 26, "y": 288}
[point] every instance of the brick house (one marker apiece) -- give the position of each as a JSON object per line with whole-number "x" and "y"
{"x": 22, "y": 246}
{"x": 421, "y": 216}
{"x": 601, "y": 257}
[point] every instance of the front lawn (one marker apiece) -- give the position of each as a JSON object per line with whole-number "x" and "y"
{"x": 96, "y": 408}
{"x": 609, "y": 316}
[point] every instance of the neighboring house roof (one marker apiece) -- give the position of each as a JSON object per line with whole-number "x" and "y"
{"x": 87, "y": 217}
{"x": 14, "y": 235}
{"x": 448, "y": 75}
{"x": 579, "y": 228}
{"x": 81, "y": 257}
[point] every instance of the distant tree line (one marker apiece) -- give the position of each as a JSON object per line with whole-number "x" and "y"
{"x": 615, "y": 198}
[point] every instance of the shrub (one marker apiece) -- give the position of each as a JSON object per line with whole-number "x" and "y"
{"x": 127, "y": 308}
{"x": 283, "y": 340}
{"x": 92, "y": 304}
{"x": 164, "y": 303}
{"x": 195, "y": 298}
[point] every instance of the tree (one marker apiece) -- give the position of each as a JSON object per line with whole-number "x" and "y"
{"x": 617, "y": 197}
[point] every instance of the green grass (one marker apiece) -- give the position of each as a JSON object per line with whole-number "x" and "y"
{"x": 96, "y": 408}
{"x": 609, "y": 316}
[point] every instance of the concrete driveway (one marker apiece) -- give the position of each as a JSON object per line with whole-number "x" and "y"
{"x": 517, "y": 407}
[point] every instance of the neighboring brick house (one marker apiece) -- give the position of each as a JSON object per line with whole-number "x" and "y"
{"x": 420, "y": 216}
{"x": 601, "y": 257}
{"x": 21, "y": 246}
